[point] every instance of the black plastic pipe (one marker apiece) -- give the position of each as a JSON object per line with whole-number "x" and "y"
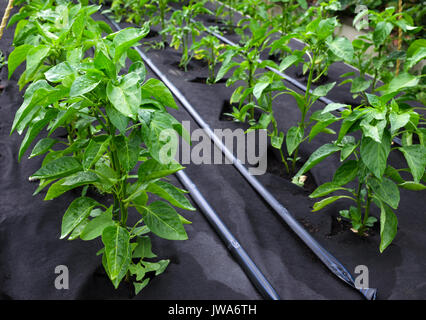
{"x": 246, "y": 263}
{"x": 329, "y": 261}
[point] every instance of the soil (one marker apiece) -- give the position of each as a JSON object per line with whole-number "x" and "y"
{"x": 203, "y": 80}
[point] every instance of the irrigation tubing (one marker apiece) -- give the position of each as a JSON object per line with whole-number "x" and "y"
{"x": 329, "y": 260}
{"x": 289, "y": 79}
{"x": 251, "y": 270}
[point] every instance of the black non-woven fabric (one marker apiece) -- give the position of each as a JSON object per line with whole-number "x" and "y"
{"x": 201, "y": 267}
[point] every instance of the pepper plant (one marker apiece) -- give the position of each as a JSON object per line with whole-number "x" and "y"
{"x": 132, "y": 10}
{"x": 46, "y": 35}
{"x": 119, "y": 141}
{"x": 286, "y": 21}
{"x": 365, "y": 176}
{"x": 209, "y": 49}
{"x": 321, "y": 50}
{"x": 248, "y": 55}
{"x": 373, "y": 52}
{"x": 184, "y": 29}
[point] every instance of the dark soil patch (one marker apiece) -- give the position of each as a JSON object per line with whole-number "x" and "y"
{"x": 277, "y": 167}
{"x": 227, "y": 108}
{"x": 203, "y": 80}
{"x": 152, "y": 34}
{"x": 304, "y": 78}
{"x": 338, "y": 225}
{"x": 308, "y": 226}
{"x": 192, "y": 65}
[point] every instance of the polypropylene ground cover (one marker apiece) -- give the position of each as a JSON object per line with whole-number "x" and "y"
{"x": 201, "y": 268}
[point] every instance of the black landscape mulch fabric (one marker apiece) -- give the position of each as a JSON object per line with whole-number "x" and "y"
{"x": 201, "y": 267}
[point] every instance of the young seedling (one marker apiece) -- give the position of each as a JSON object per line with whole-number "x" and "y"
{"x": 208, "y": 48}
{"x": 184, "y": 29}
{"x": 133, "y": 11}
{"x": 248, "y": 54}
{"x": 286, "y": 20}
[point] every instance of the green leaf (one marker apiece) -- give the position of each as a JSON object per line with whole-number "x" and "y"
{"x": 163, "y": 220}
{"x": 325, "y": 202}
{"x": 412, "y": 185}
{"x": 287, "y": 62}
{"x": 260, "y": 86}
{"x": 360, "y": 84}
{"x": 349, "y": 146}
{"x": 140, "y": 286}
{"x": 143, "y": 248}
{"x": 38, "y": 94}
{"x": 17, "y": 56}
{"x": 293, "y": 139}
{"x": 158, "y": 90}
{"x": 34, "y": 130}
{"x": 59, "y": 72}
{"x": 93, "y": 152}
{"x": 386, "y": 190}
{"x": 117, "y": 119}
{"x": 96, "y": 226}
{"x": 325, "y": 189}
{"x": 375, "y": 154}
{"x": 323, "y": 90}
{"x": 128, "y": 149}
{"x": 43, "y": 146}
{"x": 398, "y": 121}
{"x": 346, "y": 173}
{"x": 58, "y": 168}
{"x": 392, "y": 173}
{"x": 381, "y": 32}
{"x": 401, "y": 81}
{"x": 35, "y": 58}
{"x": 84, "y": 84}
{"x": 126, "y": 38}
{"x": 388, "y": 226}
{"x": 316, "y": 157}
{"x": 102, "y": 62}
{"x": 277, "y": 140}
{"x": 416, "y": 159}
{"x": 125, "y": 97}
{"x": 169, "y": 192}
{"x": 342, "y": 48}
{"x": 78, "y": 210}
{"x": 321, "y": 126}
{"x": 374, "y": 132}
{"x": 71, "y": 182}
{"x": 334, "y": 106}
{"x": 117, "y": 252}
{"x": 152, "y": 169}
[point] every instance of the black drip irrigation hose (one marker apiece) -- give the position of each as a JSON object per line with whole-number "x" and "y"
{"x": 286, "y": 77}
{"x": 246, "y": 263}
{"x": 329, "y": 260}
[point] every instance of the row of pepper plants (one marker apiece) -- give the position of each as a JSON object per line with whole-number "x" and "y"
{"x": 392, "y": 99}
{"x": 115, "y": 153}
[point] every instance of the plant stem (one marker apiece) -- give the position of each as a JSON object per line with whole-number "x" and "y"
{"x": 305, "y": 107}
